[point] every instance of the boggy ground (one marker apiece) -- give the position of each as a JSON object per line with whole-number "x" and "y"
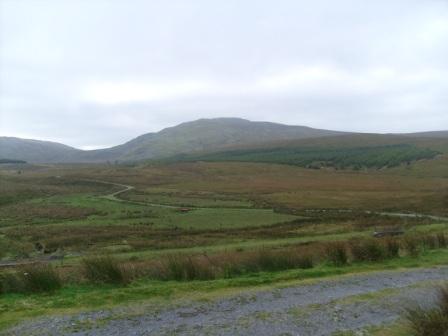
{"x": 232, "y": 203}
{"x": 235, "y": 208}
{"x": 354, "y": 303}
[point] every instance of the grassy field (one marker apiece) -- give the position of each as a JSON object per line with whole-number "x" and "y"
{"x": 214, "y": 210}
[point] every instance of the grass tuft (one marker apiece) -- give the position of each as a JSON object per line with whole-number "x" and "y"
{"x": 31, "y": 279}
{"x": 181, "y": 268}
{"x": 106, "y": 269}
{"x": 411, "y": 245}
{"x": 392, "y": 248}
{"x": 367, "y": 250}
{"x": 441, "y": 240}
{"x": 336, "y": 253}
{"x": 430, "y": 322}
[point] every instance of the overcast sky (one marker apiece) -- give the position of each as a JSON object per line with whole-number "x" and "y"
{"x": 96, "y": 73}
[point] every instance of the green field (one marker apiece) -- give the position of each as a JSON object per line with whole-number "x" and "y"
{"x": 110, "y": 212}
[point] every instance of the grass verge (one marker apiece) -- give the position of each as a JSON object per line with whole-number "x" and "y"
{"x": 18, "y": 307}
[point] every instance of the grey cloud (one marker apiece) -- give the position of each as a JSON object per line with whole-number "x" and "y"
{"x": 95, "y": 73}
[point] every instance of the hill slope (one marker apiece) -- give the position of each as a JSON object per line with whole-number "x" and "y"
{"x": 344, "y": 151}
{"x": 208, "y": 134}
{"x": 204, "y": 135}
{"x": 35, "y": 150}
{"x": 434, "y": 134}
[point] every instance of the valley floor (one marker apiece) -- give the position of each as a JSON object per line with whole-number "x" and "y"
{"x": 361, "y": 304}
{"x": 243, "y": 227}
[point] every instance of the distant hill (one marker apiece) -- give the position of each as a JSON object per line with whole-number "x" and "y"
{"x": 35, "y": 150}
{"x": 204, "y": 135}
{"x": 7, "y": 161}
{"x": 354, "y": 151}
{"x": 435, "y": 134}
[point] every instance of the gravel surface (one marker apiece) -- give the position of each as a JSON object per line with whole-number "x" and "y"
{"x": 321, "y": 308}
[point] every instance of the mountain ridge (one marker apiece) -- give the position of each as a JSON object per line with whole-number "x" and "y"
{"x": 192, "y": 136}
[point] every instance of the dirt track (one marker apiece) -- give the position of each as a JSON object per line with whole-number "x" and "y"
{"x": 114, "y": 197}
{"x": 322, "y": 308}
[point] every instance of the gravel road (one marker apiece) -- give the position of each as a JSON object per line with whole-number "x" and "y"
{"x": 320, "y": 308}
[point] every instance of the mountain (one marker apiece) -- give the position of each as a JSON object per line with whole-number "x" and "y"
{"x": 203, "y": 135}
{"x": 434, "y": 134}
{"x": 35, "y": 150}
{"x": 199, "y": 135}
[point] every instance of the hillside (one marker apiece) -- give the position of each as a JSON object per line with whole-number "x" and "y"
{"x": 35, "y": 150}
{"x": 203, "y": 134}
{"x": 434, "y": 134}
{"x": 354, "y": 151}
{"x": 209, "y": 135}
{"x": 11, "y": 161}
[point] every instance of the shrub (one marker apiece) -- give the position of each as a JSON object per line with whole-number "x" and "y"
{"x": 430, "y": 322}
{"x": 336, "y": 253}
{"x": 367, "y": 250}
{"x": 106, "y": 269}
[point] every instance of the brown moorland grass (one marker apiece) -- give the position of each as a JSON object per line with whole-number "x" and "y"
{"x": 404, "y": 188}
{"x": 432, "y": 321}
{"x": 24, "y": 213}
{"x": 289, "y": 186}
{"x": 230, "y": 264}
{"x": 31, "y": 279}
{"x": 368, "y": 250}
{"x": 44, "y": 182}
{"x": 138, "y": 237}
{"x": 108, "y": 269}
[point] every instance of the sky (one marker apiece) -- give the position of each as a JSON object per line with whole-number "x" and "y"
{"x": 97, "y": 73}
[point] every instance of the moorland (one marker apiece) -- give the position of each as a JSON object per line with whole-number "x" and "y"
{"x": 204, "y": 224}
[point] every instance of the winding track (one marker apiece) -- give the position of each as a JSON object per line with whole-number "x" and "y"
{"x": 114, "y": 197}
{"x": 116, "y": 193}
